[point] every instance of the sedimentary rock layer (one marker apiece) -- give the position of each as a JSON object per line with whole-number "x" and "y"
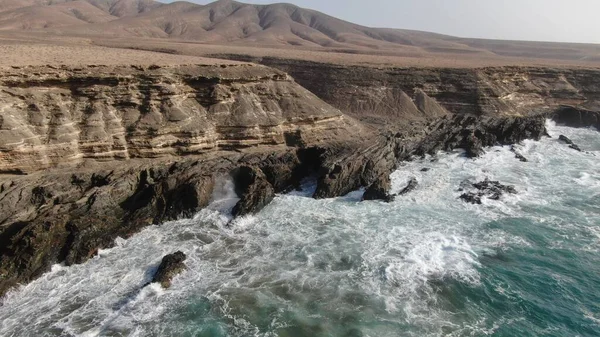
{"x": 387, "y": 95}
{"x": 51, "y": 116}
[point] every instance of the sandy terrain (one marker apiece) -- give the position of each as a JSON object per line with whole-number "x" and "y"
{"x": 147, "y": 32}
{"x": 423, "y": 59}
{"x": 42, "y": 54}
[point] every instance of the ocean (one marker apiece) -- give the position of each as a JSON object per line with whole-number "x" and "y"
{"x": 427, "y": 264}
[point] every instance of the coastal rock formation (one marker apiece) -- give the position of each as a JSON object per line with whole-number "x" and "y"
{"x": 170, "y": 266}
{"x": 379, "y": 190}
{"x": 52, "y": 116}
{"x": 473, "y": 133}
{"x": 411, "y": 186}
{"x": 378, "y": 95}
{"x": 577, "y": 117}
{"x": 66, "y": 215}
{"x": 347, "y": 167}
{"x": 489, "y": 189}
{"x": 569, "y": 142}
{"x": 92, "y": 153}
{"x": 254, "y": 190}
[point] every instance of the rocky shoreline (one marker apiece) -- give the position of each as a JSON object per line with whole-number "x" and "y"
{"x": 103, "y": 156}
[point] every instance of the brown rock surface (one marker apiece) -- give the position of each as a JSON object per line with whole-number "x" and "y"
{"x": 254, "y": 190}
{"x": 170, "y": 266}
{"x": 66, "y": 115}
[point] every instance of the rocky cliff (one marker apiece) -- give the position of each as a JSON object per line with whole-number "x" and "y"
{"x": 51, "y": 116}
{"x": 92, "y": 153}
{"x": 384, "y": 95}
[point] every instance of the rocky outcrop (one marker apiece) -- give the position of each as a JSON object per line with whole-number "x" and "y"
{"x": 170, "y": 266}
{"x": 347, "y": 167}
{"x": 67, "y": 215}
{"x": 487, "y": 189}
{"x": 569, "y": 142}
{"x": 53, "y": 116}
{"x": 475, "y": 132}
{"x": 577, "y": 117}
{"x": 380, "y": 190}
{"x": 411, "y": 186}
{"x": 518, "y": 155}
{"x": 254, "y": 190}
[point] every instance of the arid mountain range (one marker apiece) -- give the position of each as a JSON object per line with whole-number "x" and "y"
{"x": 280, "y": 26}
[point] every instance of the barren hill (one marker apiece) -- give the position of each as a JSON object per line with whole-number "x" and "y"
{"x": 283, "y": 26}
{"x": 232, "y": 22}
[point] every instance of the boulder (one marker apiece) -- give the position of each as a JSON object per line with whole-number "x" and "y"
{"x": 569, "y": 142}
{"x": 565, "y": 139}
{"x": 412, "y": 185}
{"x": 170, "y": 266}
{"x": 521, "y": 157}
{"x": 380, "y": 190}
{"x": 518, "y": 155}
{"x": 487, "y": 188}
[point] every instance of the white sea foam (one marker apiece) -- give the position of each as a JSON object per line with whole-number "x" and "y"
{"x": 318, "y": 259}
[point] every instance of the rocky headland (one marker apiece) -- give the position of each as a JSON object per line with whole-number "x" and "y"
{"x": 91, "y": 153}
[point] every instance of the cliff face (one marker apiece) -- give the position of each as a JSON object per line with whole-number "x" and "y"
{"x": 51, "y": 116}
{"x": 382, "y": 96}
{"x": 101, "y": 152}
{"x": 91, "y": 153}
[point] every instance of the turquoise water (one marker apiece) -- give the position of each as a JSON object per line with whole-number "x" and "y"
{"x": 427, "y": 264}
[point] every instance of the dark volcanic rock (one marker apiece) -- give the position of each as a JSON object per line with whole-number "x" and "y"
{"x": 254, "y": 189}
{"x": 473, "y": 146}
{"x": 170, "y": 266}
{"x": 569, "y": 142}
{"x": 521, "y": 157}
{"x": 487, "y": 188}
{"x": 565, "y": 139}
{"x": 471, "y": 197}
{"x": 412, "y": 185}
{"x": 518, "y": 155}
{"x": 475, "y": 132}
{"x": 65, "y": 217}
{"x": 348, "y": 167}
{"x": 575, "y": 147}
{"x": 577, "y": 117}
{"x": 379, "y": 190}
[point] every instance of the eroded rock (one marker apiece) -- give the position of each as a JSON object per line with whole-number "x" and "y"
{"x": 518, "y": 155}
{"x": 412, "y": 185}
{"x": 254, "y": 189}
{"x": 569, "y": 142}
{"x": 158, "y": 136}
{"x": 379, "y": 190}
{"x": 475, "y": 132}
{"x": 487, "y": 189}
{"x": 577, "y": 117}
{"x": 170, "y": 266}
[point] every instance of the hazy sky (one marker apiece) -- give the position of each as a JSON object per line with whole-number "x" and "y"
{"x": 540, "y": 20}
